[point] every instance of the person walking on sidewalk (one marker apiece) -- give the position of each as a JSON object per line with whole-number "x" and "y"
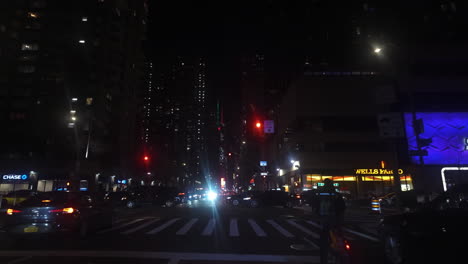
{"x": 330, "y": 206}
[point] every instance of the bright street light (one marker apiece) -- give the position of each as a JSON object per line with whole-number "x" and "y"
{"x": 292, "y": 161}
{"x": 377, "y": 50}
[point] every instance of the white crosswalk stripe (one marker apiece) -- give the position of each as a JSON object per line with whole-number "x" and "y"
{"x": 303, "y": 229}
{"x": 233, "y": 228}
{"x": 258, "y": 230}
{"x": 140, "y": 227}
{"x": 317, "y": 225}
{"x": 184, "y": 230}
{"x": 209, "y": 228}
{"x": 162, "y": 227}
{"x": 120, "y": 226}
{"x": 279, "y": 228}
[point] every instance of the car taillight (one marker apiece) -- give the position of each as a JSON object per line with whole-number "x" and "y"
{"x": 298, "y": 196}
{"x": 347, "y": 245}
{"x": 12, "y": 211}
{"x": 67, "y": 210}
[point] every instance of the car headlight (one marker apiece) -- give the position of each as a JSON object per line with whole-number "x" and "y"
{"x": 190, "y": 197}
{"x": 246, "y": 198}
{"x": 124, "y": 198}
{"x": 229, "y": 198}
{"x": 212, "y": 195}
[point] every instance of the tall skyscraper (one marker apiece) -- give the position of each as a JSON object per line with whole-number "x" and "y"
{"x": 177, "y": 136}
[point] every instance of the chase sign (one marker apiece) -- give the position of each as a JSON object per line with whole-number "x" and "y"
{"x": 20, "y": 177}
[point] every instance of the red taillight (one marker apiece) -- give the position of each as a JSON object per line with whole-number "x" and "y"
{"x": 67, "y": 210}
{"x": 298, "y": 196}
{"x": 12, "y": 211}
{"x": 347, "y": 246}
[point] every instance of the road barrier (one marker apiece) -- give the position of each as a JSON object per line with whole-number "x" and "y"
{"x": 375, "y": 206}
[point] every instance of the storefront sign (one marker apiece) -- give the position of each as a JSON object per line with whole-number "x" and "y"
{"x": 376, "y": 171}
{"x": 15, "y": 177}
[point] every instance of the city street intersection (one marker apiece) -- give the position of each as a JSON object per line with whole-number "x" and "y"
{"x": 198, "y": 233}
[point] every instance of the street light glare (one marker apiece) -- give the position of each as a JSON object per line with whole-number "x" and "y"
{"x": 377, "y": 50}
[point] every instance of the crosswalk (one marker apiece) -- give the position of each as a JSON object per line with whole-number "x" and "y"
{"x": 232, "y": 227}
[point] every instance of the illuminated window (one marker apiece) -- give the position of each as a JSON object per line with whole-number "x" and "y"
{"x": 29, "y": 46}
{"x": 74, "y": 99}
{"x": 89, "y": 101}
{"x": 84, "y": 19}
{"x": 82, "y": 41}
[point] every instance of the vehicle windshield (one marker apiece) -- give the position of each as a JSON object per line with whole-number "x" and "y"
{"x": 231, "y": 131}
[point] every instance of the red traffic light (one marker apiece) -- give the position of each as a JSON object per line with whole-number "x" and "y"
{"x": 145, "y": 158}
{"x": 258, "y": 124}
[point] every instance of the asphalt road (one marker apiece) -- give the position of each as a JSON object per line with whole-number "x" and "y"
{"x": 198, "y": 233}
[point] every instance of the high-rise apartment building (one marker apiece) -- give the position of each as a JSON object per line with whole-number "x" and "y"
{"x": 179, "y": 126}
{"x": 68, "y": 75}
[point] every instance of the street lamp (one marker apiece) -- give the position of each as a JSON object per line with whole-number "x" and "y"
{"x": 377, "y": 50}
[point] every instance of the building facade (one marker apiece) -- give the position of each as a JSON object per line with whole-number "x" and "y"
{"x": 68, "y": 74}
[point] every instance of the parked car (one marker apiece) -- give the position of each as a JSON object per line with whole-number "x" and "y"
{"x": 49, "y": 212}
{"x": 433, "y": 230}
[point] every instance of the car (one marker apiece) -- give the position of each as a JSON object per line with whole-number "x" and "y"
{"x": 432, "y": 230}
{"x": 152, "y": 195}
{"x": 55, "y": 212}
{"x": 255, "y": 199}
{"x": 117, "y": 199}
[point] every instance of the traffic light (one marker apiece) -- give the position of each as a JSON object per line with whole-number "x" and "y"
{"x": 146, "y": 158}
{"x": 258, "y": 125}
{"x": 229, "y": 154}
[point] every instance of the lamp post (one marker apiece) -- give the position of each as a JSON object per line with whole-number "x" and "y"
{"x": 380, "y": 51}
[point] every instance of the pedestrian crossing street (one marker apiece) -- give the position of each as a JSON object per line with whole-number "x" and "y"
{"x": 288, "y": 228}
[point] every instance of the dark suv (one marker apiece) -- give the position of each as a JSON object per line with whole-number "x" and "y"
{"x": 256, "y": 199}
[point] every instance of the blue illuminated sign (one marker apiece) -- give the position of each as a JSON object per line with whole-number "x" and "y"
{"x": 449, "y": 133}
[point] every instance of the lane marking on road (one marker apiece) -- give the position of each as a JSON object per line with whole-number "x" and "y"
{"x": 310, "y": 242}
{"x": 184, "y": 230}
{"x": 279, "y": 228}
{"x": 164, "y": 255}
{"x": 317, "y": 225}
{"x": 209, "y": 228}
{"x": 361, "y": 234}
{"x": 140, "y": 227}
{"x": 120, "y": 226}
{"x": 233, "y": 228}
{"x": 303, "y": 229}
{"x": 162, "y": 227}
{"x": 258, "y": 230}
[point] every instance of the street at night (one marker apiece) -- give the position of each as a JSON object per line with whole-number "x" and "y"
{"x": 199, "y": 232}
{"x": 261, "y": 131}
